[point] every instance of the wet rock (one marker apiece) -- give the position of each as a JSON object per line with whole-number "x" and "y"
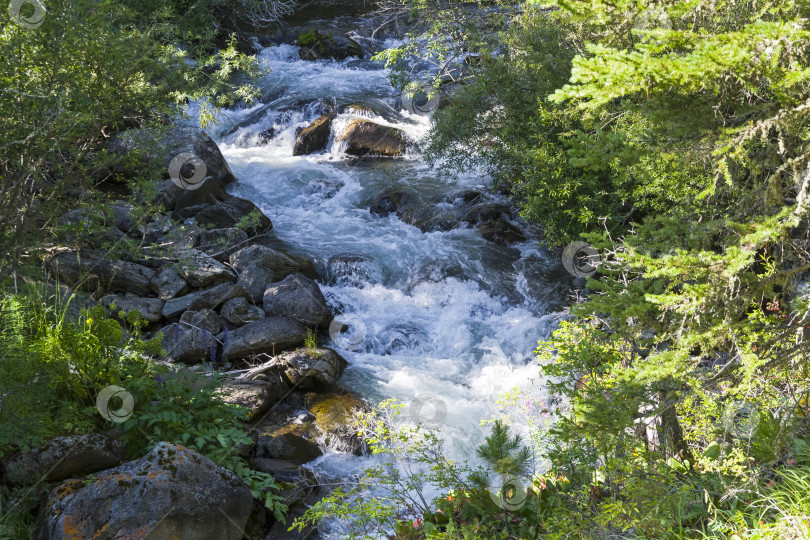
{"x": 89, "y": 271}
{"x": 64, "y": 457}
{"x": 149, "y": 308}
{"x": 313, "y": 369}
{"x": 202, "y": 270}
{"x": 395, "y": 201}
{"x": 167, "y": 284}
{"x": 257, "y": 396}
{"x": 351, "y": 269}
{"x": 364, "y": 137}
{"x": 500, "y": 231}
{"x": 271, "y": 335}
{"x": 412, "y": 209}
{"x": 216, "y": 240}
{"x": 266, "y": 136}
{"x": 233, "y": 211}
{"x": 485, "y": 212}
{"x": 238, "y": 312}
{"x": 315, "y": 45}
{"x": 314, "y": 136}
{"x": 299, "y": 298}
{"x": 171, "y": 492}
{"x": 466, "y": 196}
{"x": 334, "y": 412}
{"x": 289, "y": 447}
{"x": 255, "y": 279}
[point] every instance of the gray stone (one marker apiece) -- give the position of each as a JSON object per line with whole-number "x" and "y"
{"x": 270, "y": 335}
{"x": 167, "y": 284}
{"x": 218, "y": 240}
{"x": 299, "y": 298}
{"x": 209, "y": 298}
{"x": 313, "y": 369}
{"x": 201, "y": 270}
{"x": 238, "y": 312}
{"x": 171, "y": 492}
{"x": 90, "y": 271}
{"x": 231, "y": 212}
{"x": 64, "y": 457}
{"x": 189, "y": 345}
{"x": 255, "y": 279}
{"x": 257, "y": 396}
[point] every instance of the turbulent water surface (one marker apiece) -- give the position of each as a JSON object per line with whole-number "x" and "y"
{"x": 447, "y": 313}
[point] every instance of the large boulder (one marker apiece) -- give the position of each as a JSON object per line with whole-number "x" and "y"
{"x": 313, "y": 369}
{"x": 149, "y": 308}
{"x": 314, "y": 137}
{"x": 364, "y": 137}
{"x": 280, "y": 263}
{"x": 145, "y": 148}
{"x": 201, "y": 270}
{"x": 91, "y": 271}
{"x": 232, "y": 212}
{"x": 64, "y": 457}
{"x": 412, "y": 209}
{"x": 299, "y": 298}
{"x": 171, "y": 492}
{"x": 238, "y": 312}
{"x": 271, "y": 335}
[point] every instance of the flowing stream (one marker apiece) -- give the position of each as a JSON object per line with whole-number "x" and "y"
{"x": 447, "y": 314}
